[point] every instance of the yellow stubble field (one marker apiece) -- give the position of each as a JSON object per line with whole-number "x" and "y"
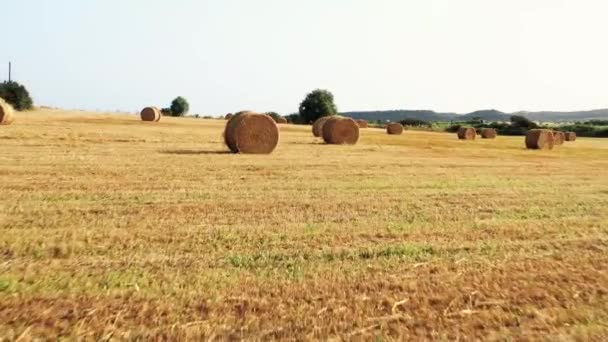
{"x": 112, "y": 228}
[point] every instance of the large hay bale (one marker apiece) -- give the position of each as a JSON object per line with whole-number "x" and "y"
{"x": 488, "y": 133}
{"x": 228, "y": 116}
{"x": 558, "y": 138}
{"x": 150, "y": 114}
{"x": 251, "y": 133}
{"x": 570, "y": 136}
{"x": 362, "y": 123}
{"x": 339, "y": 130}
{"x": 394, "y": 128}
{"x": 6, "y": 113}
{"x": 317, "y": 126}
{"x": 467, "y": 133}
{"x": 539, "y": 139}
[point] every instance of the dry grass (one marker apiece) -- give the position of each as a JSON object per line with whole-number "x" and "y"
{"x": 111, "y": 228}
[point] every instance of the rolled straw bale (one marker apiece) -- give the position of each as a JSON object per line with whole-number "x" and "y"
{"x": 228, "y": 116}
{"x": 317, "y": 126}
{"x": 394, "y": 128}
{"x": 281, "y": 120}
{"x": 251, "y": 133}
{"x": 558, "y": 138}
{"x": 467, "y": 133}
{"x": 150, "y": 114}
{"x": 6, "y": 113}
{"x": 539, "y": 139}
{"x": 570, "y": 136}
{"x": 339, "y": 130}
{"x": 362, "y": 123}
{"x": 488, "y": 133}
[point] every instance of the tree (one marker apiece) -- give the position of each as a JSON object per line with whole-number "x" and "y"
{"x": 16, "y": 95}
{"x": 522, "y": 122}
{"x": 179, "y": 106}
{"x": 317, "y": 104}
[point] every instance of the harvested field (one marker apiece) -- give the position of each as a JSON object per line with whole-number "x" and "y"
{"x": 111, "y": 228}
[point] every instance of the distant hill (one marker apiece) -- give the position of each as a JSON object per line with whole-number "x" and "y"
{"x": 487, "y": 115}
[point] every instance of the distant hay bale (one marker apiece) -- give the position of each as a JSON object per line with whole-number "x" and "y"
{"x": 362, "y": 123}
{"x": 467, "y": 133}
{"x": 317, "y": 126}
{"x": 150, "y": 114}
{"x": 251, "y": 133}
{"x": 394, "y": 128}
{"x": 558, "y": 138}
{"x": 228, "y": 116}
{"x": 570, "y": 136}
{"x": 281, "y": 120}
{"x": 488, "y": 133}
{"x": 339, "y": 130}
{"x": 539, "y": 139}
{"x": 6, "y": 113}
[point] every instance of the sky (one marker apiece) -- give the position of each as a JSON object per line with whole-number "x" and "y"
{"x": 266, "y": 55}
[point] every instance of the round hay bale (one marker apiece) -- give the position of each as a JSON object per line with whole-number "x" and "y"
{"x": 362, "y": 123}
{"x": 488, "y": 133}
{"x": 570, "y": 136}
{"x": 394, "y": 128}
{"x": 467, "y": 133}
{"x": 228, "y": 116}
{"x": 6, "y": 113}
{"x": 251, "y": 133}
{"x": 539, "y": 139}
{"x": 281, "y": 120}
{"x": 317, "y": 126}
{"x": 150, "y": 114}
{"x": 558, "y": 138}
{"x": 339, "y": 130}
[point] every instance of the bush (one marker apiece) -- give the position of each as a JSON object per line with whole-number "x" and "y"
{"x": 415, "y": 123}
{"x": 522, "y": 122}
{"x": 16, "y": 95}
{"x": 317, "y": 104}
{"x": 295, "y": 118}
{"x": 453, "y": 128}
{"x": 275, "y": 116}
{"x": 166, "y": 111}
{"x": 179, "y": 106}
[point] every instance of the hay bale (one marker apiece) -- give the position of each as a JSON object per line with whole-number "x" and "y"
{"x": 281, "y": 120}
{"x": 394, "y": 128}
{"x": 228, "y": 116}
{"x": 570, "y": 136}
{"x": 339, "y": 130}
{"x": 251, "y": 133}
{"x": 6, "y": 113}
{"x": 150, "y": 114}
{"x": 488, "y": 133}
{"x": 539, "y": 139}
{"x": 467, "y": 133}
{"x": 558, "y": 138}
{"x": 317, "y": 126}
{"x": 362, "y": 123}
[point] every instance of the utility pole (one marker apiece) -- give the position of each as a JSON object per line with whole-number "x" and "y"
{"x": 9, "y": 71}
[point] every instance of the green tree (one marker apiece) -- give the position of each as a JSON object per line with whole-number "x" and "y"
{"x": 317, "y": 104}
{"x": 16, "y": 95}
{"x": 179, "y": 106}
{"x": 522, "y": 122}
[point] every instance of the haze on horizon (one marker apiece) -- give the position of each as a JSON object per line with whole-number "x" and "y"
{"x": 229, "y": 55}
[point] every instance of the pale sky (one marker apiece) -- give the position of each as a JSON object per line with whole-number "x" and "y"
{"x": 263, "y": 55}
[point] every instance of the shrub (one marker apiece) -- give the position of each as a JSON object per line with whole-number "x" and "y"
{"x": 16, "y": 95}
{"x": 453, "y": 128}
{"x": 415, "y": 123}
